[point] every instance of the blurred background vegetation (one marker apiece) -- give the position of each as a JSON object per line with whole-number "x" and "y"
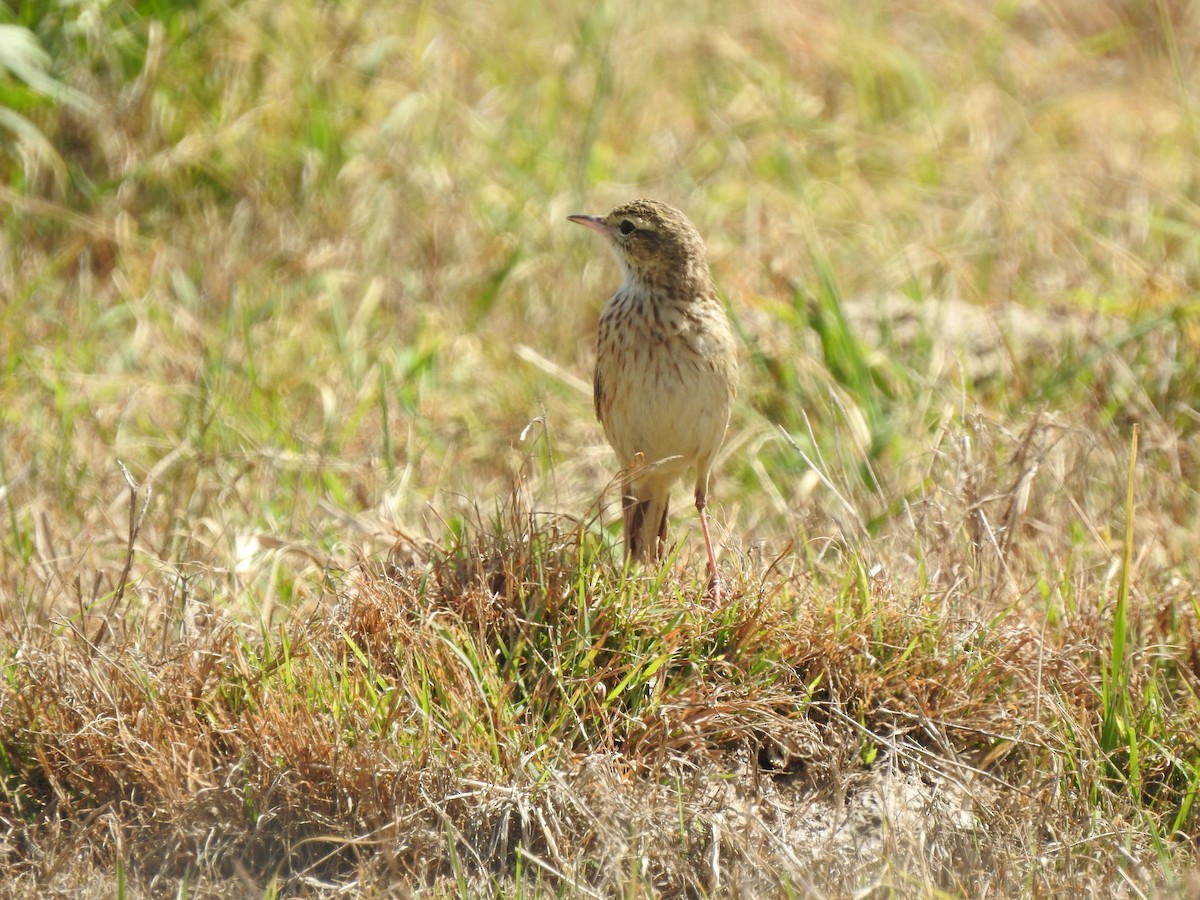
{"x": 304, "y": 264}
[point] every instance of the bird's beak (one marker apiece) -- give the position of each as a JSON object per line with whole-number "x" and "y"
{"x": 596, "y": 223}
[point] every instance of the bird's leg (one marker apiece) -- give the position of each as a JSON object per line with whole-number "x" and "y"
{"x": 632, "y": 520}
{"x": 714, "y": 580}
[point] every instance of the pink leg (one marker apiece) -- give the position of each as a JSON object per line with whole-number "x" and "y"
{"x": 714, "y": 580}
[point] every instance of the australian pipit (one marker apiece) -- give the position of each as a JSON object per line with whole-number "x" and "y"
{"x": 666, "y": 368}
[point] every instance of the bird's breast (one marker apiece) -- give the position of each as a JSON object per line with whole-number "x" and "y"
{"x": 665, "y": 377}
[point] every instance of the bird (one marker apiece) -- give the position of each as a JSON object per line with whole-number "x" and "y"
{"x": 666, "y": 369}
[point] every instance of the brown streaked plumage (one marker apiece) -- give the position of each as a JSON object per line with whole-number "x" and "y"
{"x": 666, "y": 367}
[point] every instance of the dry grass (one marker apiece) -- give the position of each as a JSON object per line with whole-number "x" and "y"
{"x": 503, "y": 711}
{"x": 305, "y": 585}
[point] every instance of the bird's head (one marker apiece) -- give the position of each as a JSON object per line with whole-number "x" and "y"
{"x": 655, "y": 243}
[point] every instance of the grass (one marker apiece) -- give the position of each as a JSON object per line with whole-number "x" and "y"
{"x": 310, "y": 574}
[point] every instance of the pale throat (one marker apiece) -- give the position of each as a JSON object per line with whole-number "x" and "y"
{"x": 694, "y": 280}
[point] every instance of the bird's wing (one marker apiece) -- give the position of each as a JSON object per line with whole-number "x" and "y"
{"x": 598, "y": 394}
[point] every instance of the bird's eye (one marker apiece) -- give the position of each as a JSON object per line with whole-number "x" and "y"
{"x": 627, "y": 227}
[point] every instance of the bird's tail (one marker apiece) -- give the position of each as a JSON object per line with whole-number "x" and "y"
{"x": 645, "y": 508}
